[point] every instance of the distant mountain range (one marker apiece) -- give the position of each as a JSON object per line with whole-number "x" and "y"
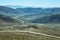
{"x": 39, "y": 11}
{"x": 29, "y": 14}
{"x": 40, "y": 15}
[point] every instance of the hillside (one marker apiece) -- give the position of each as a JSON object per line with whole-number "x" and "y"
{"x": 8, "y": 14}
{"x": 35, "y": 13}
{"x": 48, "y": 19}
{"x": 4, "y": 18}
{"x": 29, "y": 14}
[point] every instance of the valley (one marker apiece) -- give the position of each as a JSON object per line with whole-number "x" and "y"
{"x": 29, "y": 23}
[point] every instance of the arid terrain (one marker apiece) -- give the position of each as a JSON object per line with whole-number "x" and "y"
{"x": 28, "y": 32}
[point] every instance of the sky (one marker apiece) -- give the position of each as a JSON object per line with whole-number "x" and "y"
{"x": 33, "y": 3}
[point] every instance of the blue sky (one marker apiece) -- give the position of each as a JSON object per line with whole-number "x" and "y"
{"x": 36, "y": 3}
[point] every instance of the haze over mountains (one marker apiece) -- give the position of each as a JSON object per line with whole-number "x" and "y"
{"x": 30, "y": 14}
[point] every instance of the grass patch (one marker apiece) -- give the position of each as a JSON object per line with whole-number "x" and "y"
{"x": 23, "y": 36}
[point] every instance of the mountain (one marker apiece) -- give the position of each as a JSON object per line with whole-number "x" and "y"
{"x": 38, "y": 10}
{"x": 30, "y": 14}
{"x": 8, "y": 10}
{"x": 30, "y": 10}
{"x": 35, "y": 13}
{"x": 12, "y": 14}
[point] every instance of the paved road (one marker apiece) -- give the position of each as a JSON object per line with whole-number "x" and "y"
{"x": 31, "y": 32}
